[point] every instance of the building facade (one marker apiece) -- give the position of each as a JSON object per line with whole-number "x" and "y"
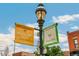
{"x": 23, "y": 54}
{"x": 66, "y": 53}
{"x": 73, "y": 40}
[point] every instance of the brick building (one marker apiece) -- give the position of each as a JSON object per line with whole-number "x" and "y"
{"x": 73, "y": 40}
{"x": 23, "y": 54}
{"x": 66, "y": 53}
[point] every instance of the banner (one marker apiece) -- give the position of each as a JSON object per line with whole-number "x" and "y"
{"x": 24, "y": 35}
{"x": 50, "y": 35}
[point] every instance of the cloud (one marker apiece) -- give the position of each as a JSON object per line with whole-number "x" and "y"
{"x": 34, "y": 25}
{"x": 74, "y": 28}
{"x": 62, "y": 37}
{"x": 63, "y": 42}
{"x": 65, "y": 18}
{"x": 5, "y": 39}
{"x": 64, "y": 46}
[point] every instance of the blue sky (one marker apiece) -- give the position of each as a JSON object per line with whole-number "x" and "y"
{"x": 24, "y": 13}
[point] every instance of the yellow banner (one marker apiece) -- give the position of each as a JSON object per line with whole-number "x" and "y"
{"x": 24, "y": 35}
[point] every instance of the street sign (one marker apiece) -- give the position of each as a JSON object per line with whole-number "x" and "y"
{"x": 24, "y": 35}
{"x": 50, "y": 35}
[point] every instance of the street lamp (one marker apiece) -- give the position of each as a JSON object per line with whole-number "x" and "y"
{"x": 40, "y": 13}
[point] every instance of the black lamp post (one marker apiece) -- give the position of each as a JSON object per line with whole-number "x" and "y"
{"x": 40, "y": 13}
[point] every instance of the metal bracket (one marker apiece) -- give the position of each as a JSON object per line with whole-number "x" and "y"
{"x": 36, "y": 29}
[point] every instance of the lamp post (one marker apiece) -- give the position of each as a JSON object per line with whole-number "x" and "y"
{"x": 40, "y": 13}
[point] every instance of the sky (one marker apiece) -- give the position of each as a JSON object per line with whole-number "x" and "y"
{"x": 65, "y": 14}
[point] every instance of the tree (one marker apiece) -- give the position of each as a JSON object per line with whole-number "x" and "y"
{"x": 37, "y": 52}
{"x": 54, "y": 51}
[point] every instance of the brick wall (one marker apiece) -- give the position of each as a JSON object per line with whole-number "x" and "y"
{"x": 71, "y": 36}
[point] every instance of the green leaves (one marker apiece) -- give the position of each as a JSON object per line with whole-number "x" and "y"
{"x": 54, "y": 51}
{"x": 51, "y": 51}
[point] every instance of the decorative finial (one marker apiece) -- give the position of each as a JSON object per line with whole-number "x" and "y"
{"x": 40, "y": 1}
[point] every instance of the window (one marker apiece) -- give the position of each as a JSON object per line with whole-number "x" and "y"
{"x": 75, "y": 43}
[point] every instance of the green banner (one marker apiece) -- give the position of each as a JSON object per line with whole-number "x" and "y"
{"x": 50, "y": 35}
